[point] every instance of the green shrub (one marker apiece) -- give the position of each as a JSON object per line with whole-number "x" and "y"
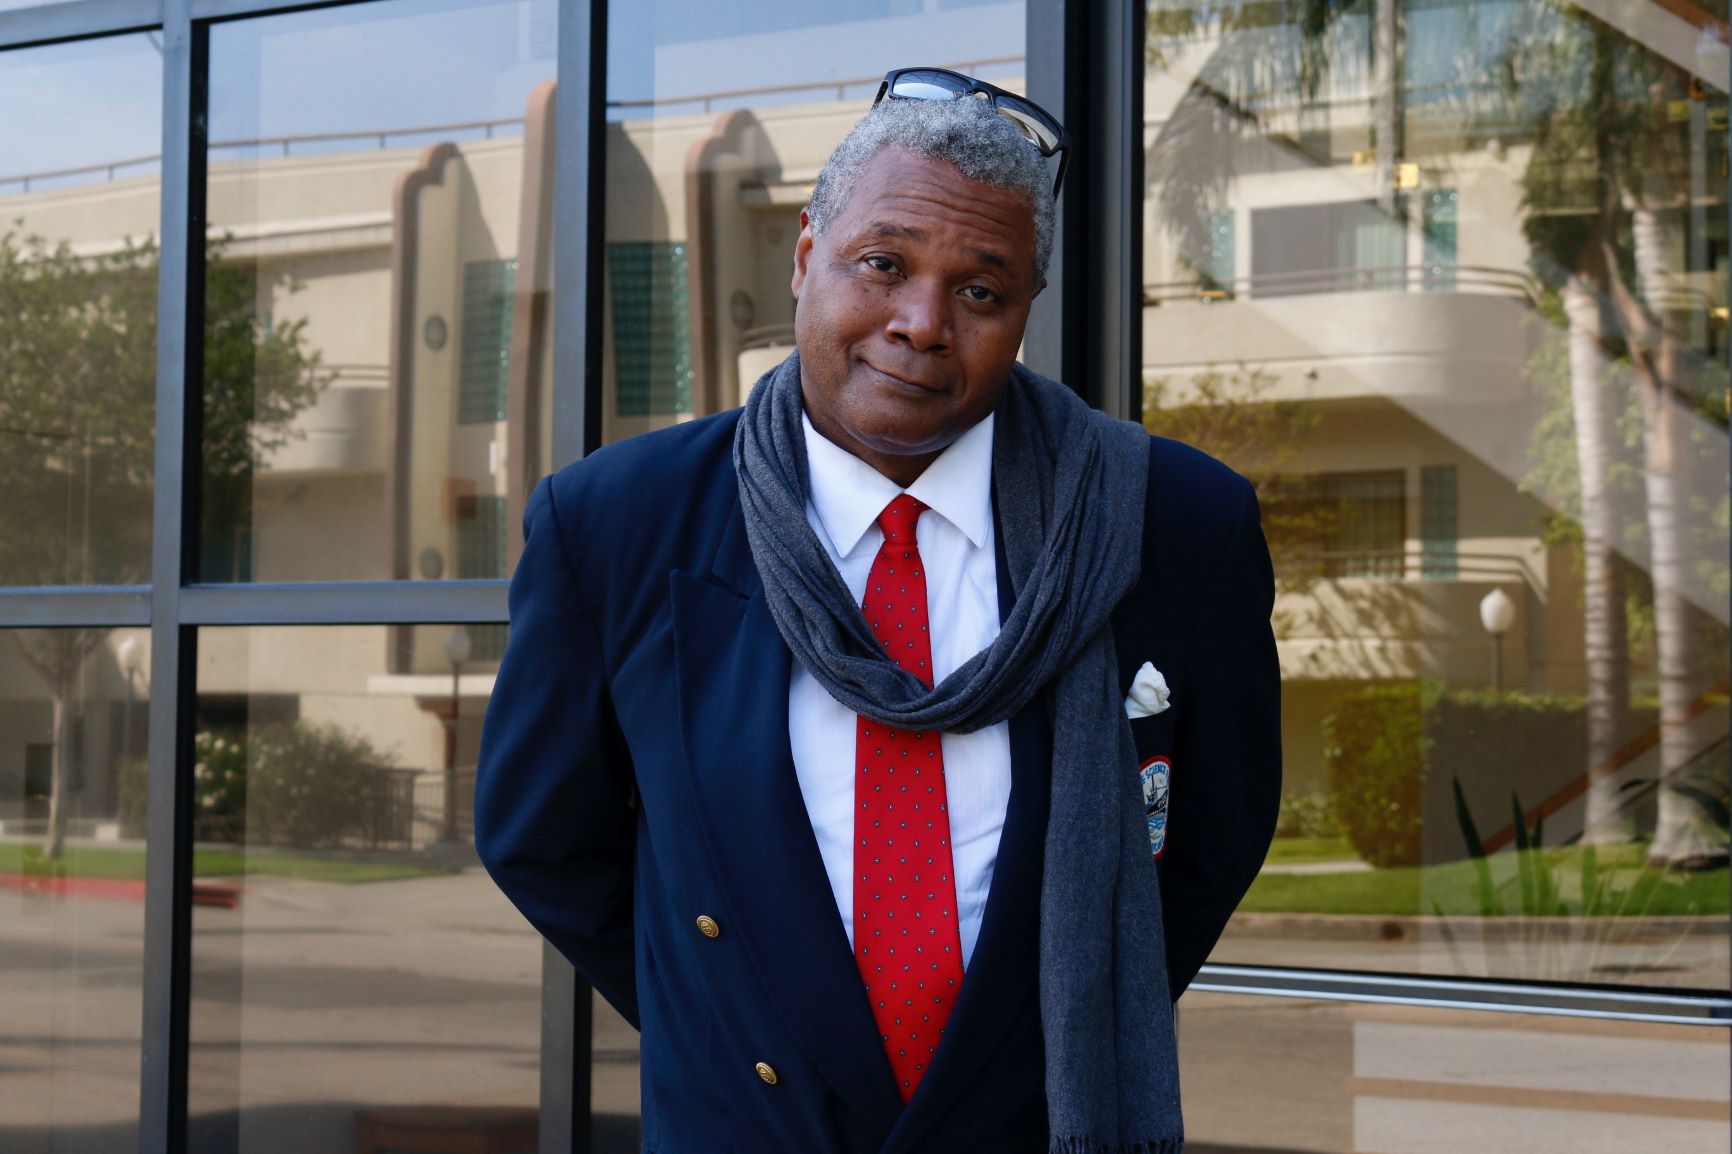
{"x": 1309, "y": 814}
{"x": 1392, "y": 750}
{"x": 1374, "y": 747}
{"x": 310, "y": 786}
{"x": 298, "y": 784}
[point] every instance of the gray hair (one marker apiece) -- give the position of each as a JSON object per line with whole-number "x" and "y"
{"x": 966, "y": 133}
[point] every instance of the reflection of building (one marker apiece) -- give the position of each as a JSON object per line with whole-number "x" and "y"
{"x": 1408, "y": 333}
{"x": 106, "y": 734}
{"x": 1389, "y": 293}
{"x": 1394, "y": 298}
{"x": 415, "y": 270}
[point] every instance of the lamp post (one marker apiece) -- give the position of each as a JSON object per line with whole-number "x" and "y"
{"x": 457, "y": 647}
{"x": 1497, "y": 613}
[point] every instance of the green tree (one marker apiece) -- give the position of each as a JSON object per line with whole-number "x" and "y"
{"x": 1606, "y": 193}
{"x": 77, "y": 422}
{"x": 1229, "y": 414}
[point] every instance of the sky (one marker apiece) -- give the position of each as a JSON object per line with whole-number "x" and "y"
{"x": 395, "y": 63}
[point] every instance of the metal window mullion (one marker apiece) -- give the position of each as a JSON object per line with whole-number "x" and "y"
{"x": 1085, "y": 64}
{"x": 1051, "y": 42}
{"x": 1114, "y": 254}
{"x": 76, "y": 20}
{"x": 1581, "y": 1001}
{"x": 347, "y": 603}
{"x": 209, "y": 11}
{"x": 85, "y": 606}
{"x": 168, "y": 845}
{"x": 580, "y": 187}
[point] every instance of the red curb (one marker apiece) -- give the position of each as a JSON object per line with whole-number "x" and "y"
{"x": 113, "y": 889}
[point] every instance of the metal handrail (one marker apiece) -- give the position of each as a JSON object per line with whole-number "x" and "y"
{"x": 766, "y": 336}
{"x": 1494, "y": 281}
{"x": 1413, "y": 562}
{"x": 707, "y": 99}
{"x": 109, "y": 167}
{"x": 379, "y": 134}
{"x": 382, "y": 135}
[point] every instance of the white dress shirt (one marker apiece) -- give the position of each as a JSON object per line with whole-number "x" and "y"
{"x": 955, "y": 538}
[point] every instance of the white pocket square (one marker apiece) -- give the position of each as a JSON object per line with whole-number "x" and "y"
{"x": 1149, "y": 694}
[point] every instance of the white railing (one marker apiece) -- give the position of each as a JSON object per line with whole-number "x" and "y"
{"x": 382, "y": 138}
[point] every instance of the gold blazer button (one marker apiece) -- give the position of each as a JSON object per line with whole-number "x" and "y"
{"x": 767, "y": 1073}
{"x": 708, "y": 926}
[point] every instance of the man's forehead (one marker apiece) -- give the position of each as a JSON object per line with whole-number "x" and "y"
{"x": 911, "y": 197}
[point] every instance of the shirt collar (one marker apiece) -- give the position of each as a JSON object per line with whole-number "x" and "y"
{"x": 848, "y": 494}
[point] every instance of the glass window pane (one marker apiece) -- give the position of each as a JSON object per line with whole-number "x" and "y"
{"x": 1334, "y": 1078}
{"x": 717, "y": 129}
{"x": 358, "y": 980}
{"x": 1471, "y": 347}
{"x": 74, "y": 707}
{"x": 719, "y": 120}
{"x": 80, "y": 201}
{"x": 378, "y": 321}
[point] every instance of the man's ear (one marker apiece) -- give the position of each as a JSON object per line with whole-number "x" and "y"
{"x": 1039, "y": 288}
{"x": 802, "y": 252}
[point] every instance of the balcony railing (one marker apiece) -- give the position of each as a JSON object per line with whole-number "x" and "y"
{"x": 836, "y": 90}
{"x": 380, "y": 138}
{"x": 767, "y": 337}
{"x": 1425, "y": 565}
{"x": 1432, "y": 277}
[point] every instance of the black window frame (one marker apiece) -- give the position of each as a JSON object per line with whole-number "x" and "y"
{"x": 1085, "y": 63}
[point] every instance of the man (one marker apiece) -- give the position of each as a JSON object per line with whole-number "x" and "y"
{"x": 910, "y": 573}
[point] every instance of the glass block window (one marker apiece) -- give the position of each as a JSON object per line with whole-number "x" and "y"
{"x": 652, "y": 348}
{"x": 1438, "y": 523}
{"x": 1218, "y": 250}
{"x": 1438, "y": 216}
{"x": 484, "y": 367}
{"x": 481, "y": 553}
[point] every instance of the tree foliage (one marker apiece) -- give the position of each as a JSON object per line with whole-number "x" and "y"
{"x": 1228, "y": 414}
{"x": 77, "y": 426}
{"x": 78, "y": 399}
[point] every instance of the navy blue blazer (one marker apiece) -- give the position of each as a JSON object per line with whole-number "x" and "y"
{"x": 635, "y": 775}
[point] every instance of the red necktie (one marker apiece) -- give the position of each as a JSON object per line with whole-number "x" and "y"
{"x": 906, "y": 940}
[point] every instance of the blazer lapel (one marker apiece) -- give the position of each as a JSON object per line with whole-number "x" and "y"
{"x": 733, "y": 670}
{"x": 1001, "y": 972}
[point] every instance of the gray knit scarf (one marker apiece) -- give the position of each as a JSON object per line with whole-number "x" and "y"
{"x": 1070, "y": 485}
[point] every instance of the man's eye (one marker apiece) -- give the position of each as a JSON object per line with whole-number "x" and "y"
{"x": 881, "y": 263}
{"x": 980, "y": 294}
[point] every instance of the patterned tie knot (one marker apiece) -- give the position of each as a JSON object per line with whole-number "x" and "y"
{"x": 898, "y": 518}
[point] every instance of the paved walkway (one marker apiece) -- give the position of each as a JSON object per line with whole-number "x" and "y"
{"x": 312, "y": 1001}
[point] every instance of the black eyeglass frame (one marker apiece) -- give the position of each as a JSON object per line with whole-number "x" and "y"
{"x": 960, "y": 85}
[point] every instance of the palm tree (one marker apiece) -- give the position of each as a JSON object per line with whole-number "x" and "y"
{"x": 1606, "y": 641}
{"x": 1608, "y": 171}
{"x": 1263, "y": 78}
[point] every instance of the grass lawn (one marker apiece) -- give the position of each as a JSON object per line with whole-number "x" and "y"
{"x": 93, "y": 862}
{"x": 1633, "y": 889}
{"x": 1291, "y": 850}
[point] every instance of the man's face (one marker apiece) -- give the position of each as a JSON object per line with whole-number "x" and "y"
{"x": 911, "y": 308}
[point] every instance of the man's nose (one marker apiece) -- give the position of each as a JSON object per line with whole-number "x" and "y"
{"x": 921, "y": 317}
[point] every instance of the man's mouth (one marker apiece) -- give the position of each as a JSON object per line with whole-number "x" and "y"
{"x": 906, "y": 382}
